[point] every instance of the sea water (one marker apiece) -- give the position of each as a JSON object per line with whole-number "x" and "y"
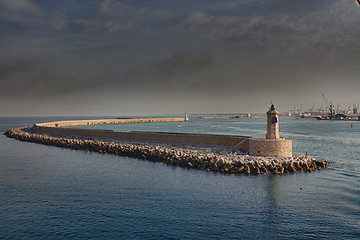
{"x": 48, "y": 192}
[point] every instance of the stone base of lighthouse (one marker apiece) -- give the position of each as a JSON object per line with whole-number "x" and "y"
{"x": 270, "y": 147}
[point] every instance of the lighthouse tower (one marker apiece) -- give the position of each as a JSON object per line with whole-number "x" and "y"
{"x": 272, "y": 123}
{"x": 273, "y": 145}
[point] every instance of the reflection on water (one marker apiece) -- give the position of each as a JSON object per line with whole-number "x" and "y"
{"x": 273, "y": 211}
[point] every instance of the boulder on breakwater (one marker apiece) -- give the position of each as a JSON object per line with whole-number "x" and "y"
{"x": 235, "y": 163}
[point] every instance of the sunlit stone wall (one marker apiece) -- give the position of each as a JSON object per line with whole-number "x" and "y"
{"x": 270, "y": 147}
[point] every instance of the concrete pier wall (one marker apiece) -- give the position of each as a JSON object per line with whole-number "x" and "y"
{"x": 206, "y": 139}
{"x": 256, "y": 147}
{"x": 188, "y": 138}
{"x": 74, "y": 123}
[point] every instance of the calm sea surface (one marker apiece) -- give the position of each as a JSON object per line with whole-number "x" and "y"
{"x": 53, "y": 193}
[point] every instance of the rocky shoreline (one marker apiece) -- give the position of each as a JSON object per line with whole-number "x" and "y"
{"x": 209, "y": 158}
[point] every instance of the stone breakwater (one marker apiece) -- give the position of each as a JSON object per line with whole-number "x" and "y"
{"x": 202, "y": 158}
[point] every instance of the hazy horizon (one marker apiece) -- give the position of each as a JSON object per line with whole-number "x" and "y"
{"x": 118, "y": 58}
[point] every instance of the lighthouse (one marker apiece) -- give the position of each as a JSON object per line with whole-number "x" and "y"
{"x": 272, "y": 123}
{"x": 273, "y": 145}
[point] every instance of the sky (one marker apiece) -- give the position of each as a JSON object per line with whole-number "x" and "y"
{"x": 142, "y": 57}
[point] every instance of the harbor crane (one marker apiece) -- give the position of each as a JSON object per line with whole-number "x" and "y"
{"x": 329, "y": 106}
{"x": 355, "y": 108}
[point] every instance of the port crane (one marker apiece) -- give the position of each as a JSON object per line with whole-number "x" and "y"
{"x": 329, "y": 106}
{"x": 355, "y": 108}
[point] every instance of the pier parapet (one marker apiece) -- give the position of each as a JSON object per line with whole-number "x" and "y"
{"x": 273, "y": 145}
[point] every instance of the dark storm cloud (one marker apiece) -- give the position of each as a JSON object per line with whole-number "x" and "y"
{"x": 271, "y": 7}
{"x": 74, "y": 16}
{"x": 281, "y": 32}
{"x": 8, "y": 68}
{"x": 181, "y": 70}
{"x": 182, "y": 64}
{"x": 24, "y": 16}
{"x": 31, "y": 76}
{"x": 198, "y": 49}
{"x": 20, "y": 6}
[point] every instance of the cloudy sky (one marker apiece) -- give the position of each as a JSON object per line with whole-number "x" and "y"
{"x": 125, "y": 57}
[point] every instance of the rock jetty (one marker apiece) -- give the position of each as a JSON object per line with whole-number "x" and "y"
{"x": 197, "y": 157}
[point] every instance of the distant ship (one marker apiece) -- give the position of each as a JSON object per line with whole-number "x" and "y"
{"x": 332, "y": 115}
